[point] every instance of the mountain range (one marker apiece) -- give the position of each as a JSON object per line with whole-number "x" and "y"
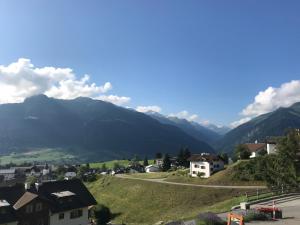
{"x": 89, "y": 127}
{"x": 194, "y": 129}
{"x": 275, "y": 123}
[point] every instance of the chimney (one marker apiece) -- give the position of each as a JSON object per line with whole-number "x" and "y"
{"x": 37, "y": 185}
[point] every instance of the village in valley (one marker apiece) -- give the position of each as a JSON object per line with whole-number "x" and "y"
{"x": 59, "y": 193}
{"x": 149, "y": 112}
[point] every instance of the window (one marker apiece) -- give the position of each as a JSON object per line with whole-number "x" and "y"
{"x": 75, "y": 214}
{"x": 194, "y": 172}
{"x": 203, "y": 167}
{"x": 196, "y": 166}
{"x": 40, "y": 222}
{"x": 38, "y": 207}
{"x": 61, "y": 216}
{"x": 29, "y": 208}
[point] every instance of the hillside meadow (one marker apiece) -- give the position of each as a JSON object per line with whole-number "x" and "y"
{"x": 139, "y": 202}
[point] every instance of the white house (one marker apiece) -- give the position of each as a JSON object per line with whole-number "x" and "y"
{"x": 8, "y": 174}
{"x": 152, "y": 169}
{"x": 271, "y": 147}
{"x": 70, "y": 175}
{"x": 257, "y": 148}
{"x": 205, "y": 165}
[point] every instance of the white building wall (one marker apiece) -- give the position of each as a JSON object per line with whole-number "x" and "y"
{"x": 271, "y": 148}
{"x": 83, "y": 220}
{"x": 12, "y": 223}
{"x": 200, "y": 167}
{"x": 152, "y": 169}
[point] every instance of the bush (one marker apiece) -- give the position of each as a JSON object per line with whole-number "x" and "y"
{"x": 101, "y": 214}
{"x": 252, "y": 215}
{"x": 210, "y": 218}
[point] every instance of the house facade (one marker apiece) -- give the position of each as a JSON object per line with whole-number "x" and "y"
{"x": 152, "y": 169}
{"x": 64, "y": 202}
{"x": 8, "y": 174}
{"x": 256, "y": 148}
{"x": 204, "y": 165}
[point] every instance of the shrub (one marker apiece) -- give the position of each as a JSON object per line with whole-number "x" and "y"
{"x": 210, "y": 218}
{"x": 101, "y": 214}
{"x": 252, "y": 215}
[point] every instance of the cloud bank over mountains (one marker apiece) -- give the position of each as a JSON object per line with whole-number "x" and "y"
{"x": 21, "y": 79}
{"x": 271, "y": 99}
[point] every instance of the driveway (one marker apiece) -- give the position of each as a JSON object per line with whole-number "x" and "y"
{"x": 290, "y": 209}
{"x": 162, "y": 181}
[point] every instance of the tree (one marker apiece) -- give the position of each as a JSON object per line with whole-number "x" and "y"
{"x": 158, "y": 155}
{"x": 166, "y": 162}
{"x": 186, "y": 156}
{"x": 103, "y": 168}
{"x": 146, "y": 163}
{"x": 116, "y": 166}
{"x": 183, "y": 156}
{"x": 242, "y": 152}
{"x": 224, "y": 157}
{"x": 282, "y": 170}
{"x": 101, "y": 214}
{"x": 180, "y": 157}
{"x": 31, "y": 180}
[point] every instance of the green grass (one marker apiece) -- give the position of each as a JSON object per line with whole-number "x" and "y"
{"x": 43, "y": 155}
{"x": 157, "y": 175}
{"x": 110, "y": 164}
{"x": 224, "y": 177}
{"x": 141, "y": 203}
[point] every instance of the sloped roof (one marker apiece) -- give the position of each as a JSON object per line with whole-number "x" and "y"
{"x": 81, "y": 198}
{"x": 12, "y": 193}
{"x": 204, "y": 157}
{"x": 8, "y": 216}
{"x": 254, "y": 147}
{"x": 25, "y": 199}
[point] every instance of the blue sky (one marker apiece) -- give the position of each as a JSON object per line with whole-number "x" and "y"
{"x": 210, "y": 58}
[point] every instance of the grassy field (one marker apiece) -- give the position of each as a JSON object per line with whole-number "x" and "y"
{"x": 110, "y": 164}
{"x": 224, "y": 177}
{"x": 44, "y": 155}
{"x": 141, "y": 203}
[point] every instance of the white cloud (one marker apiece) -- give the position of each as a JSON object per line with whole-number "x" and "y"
{"x": 271, "y": 99}
{"x": 150, "y": 108}
{"x": 22, "y": 79}
{"x": 240, "y": 122}
{"x": 185, "y": 115}
{"x": 118, "y": 100}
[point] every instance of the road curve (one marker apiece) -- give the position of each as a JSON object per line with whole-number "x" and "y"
{"x": 162, "y": 181}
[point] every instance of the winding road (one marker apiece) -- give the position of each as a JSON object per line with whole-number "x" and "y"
{"x": 163, "y": 181}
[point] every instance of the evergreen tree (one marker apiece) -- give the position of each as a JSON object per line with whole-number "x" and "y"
{"x": 180, "y": 157}
{"x": 166, "y": 162}
{"x": 158, "y": 155}
{"x": 224, "y": 157}
{"x": 186, "y": 156}
{"x": 103, "y": 168}
{"x": 146, "y": 163}
{"x": 242, "y": 152}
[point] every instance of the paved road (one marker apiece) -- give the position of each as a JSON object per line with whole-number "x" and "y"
{"x": 290, "y": 209}
{"x": 163, "y": 181}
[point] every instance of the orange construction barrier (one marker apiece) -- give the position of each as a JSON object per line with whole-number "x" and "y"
{"x": 233, "y": 219}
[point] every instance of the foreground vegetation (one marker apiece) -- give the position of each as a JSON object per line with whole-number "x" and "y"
{"x": 141, "y": 202}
